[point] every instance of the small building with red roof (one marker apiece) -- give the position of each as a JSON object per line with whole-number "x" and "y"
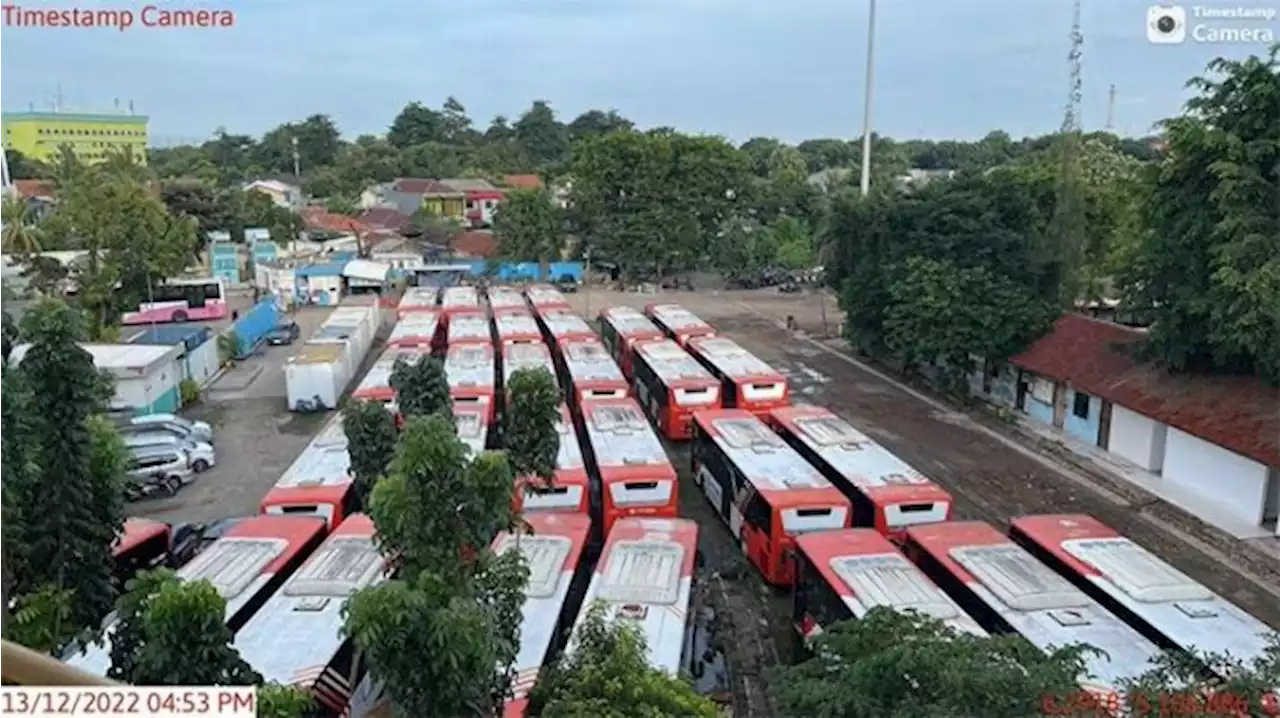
{"x": 1212, "y": 438}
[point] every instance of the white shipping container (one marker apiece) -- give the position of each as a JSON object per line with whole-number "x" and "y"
{"x": 344, "y": 353}
{"x": 314, "y": 377}
{"x": 355, "y": 334}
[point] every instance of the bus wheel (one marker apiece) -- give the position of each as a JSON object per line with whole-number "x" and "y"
{"x": 179, "y": 316}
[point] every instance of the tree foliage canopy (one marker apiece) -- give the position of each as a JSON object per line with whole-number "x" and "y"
{"x": 422, "y": 388}
{"x": 529, "y": 225}
{"x": 531, "y": 435}
{"x": 371, "y": 443}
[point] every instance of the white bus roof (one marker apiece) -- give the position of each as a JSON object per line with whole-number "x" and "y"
{"x": 505, "y": 298}
{"x": 297, "y": 632}
{"x": 454, "y": 297}
{"x": 469, "y": 365}
{"x": 590, "y": 361}
{"x": 542, "y": 294}
{"x": 1174, "y": 604}
{"x": 676, "y": 317}
{"x": 564, "y": 322}
{"x": 1038, "y": 603}
{"x": 333, "y": 434}
{"x": 570, "y": 455}
{"x": 629, "y": 320}
{"x": 761, "y": 455}
{"x": 472, "y": 429}
{"x": 415, "y": 325}
{"x": 645, "y": 577}
{"x": 731, "y": 359}
{"x": 526, "y": 356}
{"x": 469, "y": 326}
{"x": 671, "y": 363}
{"x": 417, "y": 297}
{"x": 379, "y": 376}
{"x": 621, "y": 436}
{"x": 516, "y": 324}
{"x": 317, "y": 466}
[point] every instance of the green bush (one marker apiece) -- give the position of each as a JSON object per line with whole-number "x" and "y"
{"x": 189, "y": 390}
{"x": 228, "y": 346}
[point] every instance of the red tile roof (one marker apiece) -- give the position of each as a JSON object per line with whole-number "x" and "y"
{"x": 319, "y": 218}
{"x": 385, "y": 218}
{"x": 474, "y": 244}
{"x": 31, "y": 189}
{"x": 1239, "y": 413}
{"x": 412, "y": 185}
{"x": 523, "y": 181}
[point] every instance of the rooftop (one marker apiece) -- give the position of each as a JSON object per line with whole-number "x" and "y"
{"x": 72, "y": 117}
{"x": 420, "y": 186}
{"x": 1235, "y": 412}
{"x": 474, "y": 244}
{"x": 523, "y": 181}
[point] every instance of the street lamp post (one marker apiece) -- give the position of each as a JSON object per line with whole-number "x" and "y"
{"x": 868, "y": 99}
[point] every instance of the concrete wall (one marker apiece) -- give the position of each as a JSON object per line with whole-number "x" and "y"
{"x": 1236, "y": 483}
{"x": 156, "y": 392}
{"x": 1137, "y": 438}
{"x": 202, "y": 362}
{"x": 1085, "y": 427}
{"x": 1038, "y": 404}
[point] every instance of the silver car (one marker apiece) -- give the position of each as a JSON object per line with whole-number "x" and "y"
{"x": 171, "y": 423}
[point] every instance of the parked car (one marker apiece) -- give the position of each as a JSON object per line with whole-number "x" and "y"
{"x": 176, "y": 456}
{"x": 284, "y": 334}
{"x": 172, "y": 423}
{"x": 214, "y": 530}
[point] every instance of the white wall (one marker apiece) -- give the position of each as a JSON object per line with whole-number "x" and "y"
{"x": 1137, "y": 438}
{"x": 132, "y": 392}
{"x": 1236, "y": 483}
{"x": 202, "y": 362}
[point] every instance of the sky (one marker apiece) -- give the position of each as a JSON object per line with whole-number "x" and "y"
{"x": 739, "y": 68}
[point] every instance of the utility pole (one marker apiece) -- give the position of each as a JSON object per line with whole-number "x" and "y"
{"x": 1111, "y": 108}
{"x": 868, "y": 99}
{"x": 586, "y": 281}
{"x": 297, "y": 171}
{"x": 1067, "y": 225}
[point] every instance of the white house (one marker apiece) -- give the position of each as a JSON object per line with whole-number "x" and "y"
{"x": 146, "y": 375}
{"x": 283, "y": 194}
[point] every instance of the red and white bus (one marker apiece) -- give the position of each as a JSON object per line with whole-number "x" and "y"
{"x": 470, "y": 370}
{"x": 1009, "y": 592}
{"x": 418, "y": 299}
{"x": 182, "y": 300}
{"x": 558, "y": 576}
{"x": 416, "y": 330}
{"x": 636, "y": 477}
{"x": 376, "y": 385}
{"x": 318, "y": 482}
{"x": 472, "y": 424}
{"x": 678, "y": 323}
{"x": 143, "y": 545}
{"x": 296, "y": 638}
{"x": 563, "y": 325}
{"x": 570, "y": 489}
{"x": 526, "y": 356}
{"x": 645, "y": 577}
{"x": 887, "y": 494}
{"x": 590, "y": 373}
{"x": 1162, "y": 603}
{"x": 671, "y": 386}
{"x": 842, "y": 575}
{"x": 503, "y": 299}
{"x": 766, "y": 492}
{"x": 543, "y": 297}
{"x": 468, "y": 328}
{"x": 621, "y": 328}
{"x": 748, "y": 382}
{"x": 246, "y": 566}
{"x": 516, "y": 327}
{"x": 459, "y": 299}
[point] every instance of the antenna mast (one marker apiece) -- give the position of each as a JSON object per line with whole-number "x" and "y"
{"x": 1111, "y": 108}
{"x": 1067, "y": 227}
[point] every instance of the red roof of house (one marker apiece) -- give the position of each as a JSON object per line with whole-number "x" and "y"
{"x": 31, "y": 189}
{"x": 474, "y": 244}
{"x": 385, "y": 218}
{"x": 1239, "y": 413}
{"x": 412, "y": 185}
{"x": 523, "y": 181}
{"x": 319, "y": 218}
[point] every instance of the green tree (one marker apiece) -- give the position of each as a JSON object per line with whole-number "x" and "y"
{"x": 415, "y": 125}
{"x": 598, "y": 122}
{"x": 893, "y": 665}
{"x": 1207, "y": 269}
{"x": 10, "y": 336}
{"x": 69, "y": 508}
{"x": 422, "y": 389}
{"x": 174, "y": 633}
{"x": 277, "y": 701}
{"x": 541, "y": 134}
{"x": 529, "y": 226}
{"x": 371, "y": 442}
{"x": 23, "y": 167}
{"x": 532, "y": 417}
{"x": 1176, "y": 684}
{"x": 608, "y": 675}
{"x": 20, "y": 235}
{"x": 213, "y": 208}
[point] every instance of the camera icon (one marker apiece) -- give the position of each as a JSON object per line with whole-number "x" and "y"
{"x": 1166, "y": 24}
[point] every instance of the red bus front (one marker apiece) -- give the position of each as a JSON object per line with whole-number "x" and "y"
{"x": 591, "y": 372}
{"x": 416, "y": 330}
{"x": 470, "y": 370}
{"x": 332, "y": 502}
{"x": 672, "y": 386}
{"x": 143, "y": 545}
{"x": 749, "y": 382}
{"x": 516, "y": 327}
{"x": 636, "y": 476}
{"x": 562, "y": 326}
{"x": 569, "y": 491}
{"x": 544, "y": 297}
{"x": 678, "y": 323}
{"x": 622, "y": 328}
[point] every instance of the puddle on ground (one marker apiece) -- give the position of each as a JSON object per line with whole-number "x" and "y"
{"x": 304, "y": 424}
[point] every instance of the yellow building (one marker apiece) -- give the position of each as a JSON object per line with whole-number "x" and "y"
{"x": 38, "y": 135}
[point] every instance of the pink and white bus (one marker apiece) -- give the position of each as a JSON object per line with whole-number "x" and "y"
{"x": 182, "y": 300}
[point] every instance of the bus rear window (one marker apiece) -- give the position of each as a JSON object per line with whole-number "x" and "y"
{"x": 641, "y": 485}
{"x": 915, "y": 508}
{"x": 300, "y": 509}
{"x": 813, "y": 512}
{"x": 552, "y": 491}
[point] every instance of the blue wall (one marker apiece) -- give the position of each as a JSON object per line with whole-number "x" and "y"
{"x": 256, "y": 323}
{"x": 265, "y": 251}
{"x": 1084, "y": 428}
{"x": 224, "y": 261}
{"x": 168, "y": 403}
{"x": 190, "y": 337}
{"x": 525, "y": 271}
{"x": 1038, "y": 410}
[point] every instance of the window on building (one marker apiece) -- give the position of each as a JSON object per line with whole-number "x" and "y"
{"x": 1080, "y": 406}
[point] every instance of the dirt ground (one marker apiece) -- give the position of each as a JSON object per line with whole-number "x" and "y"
{"x": 990, "y": 480}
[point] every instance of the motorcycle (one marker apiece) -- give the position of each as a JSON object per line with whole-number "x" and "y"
{"x": 151, "y": 487}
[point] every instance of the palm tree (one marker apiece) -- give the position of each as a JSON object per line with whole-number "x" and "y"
{"x": 66, "y": 166}
{"x": 123, "y": 163}
{"x": 19, "y": 235}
